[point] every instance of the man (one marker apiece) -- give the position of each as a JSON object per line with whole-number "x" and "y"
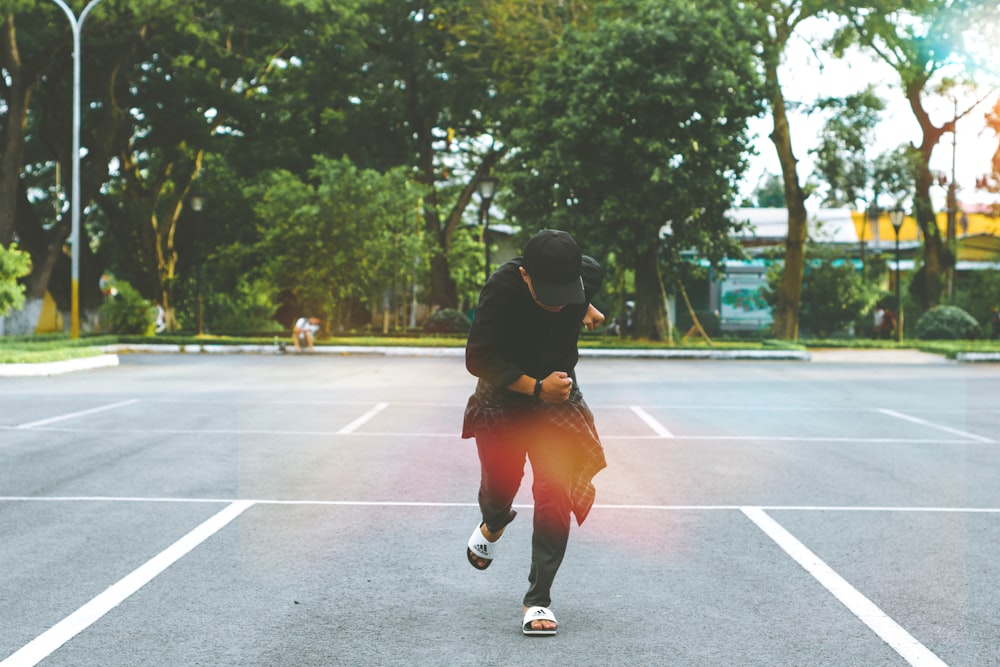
{"x": 527, "y": 404}
{"x": 304, "y": 330}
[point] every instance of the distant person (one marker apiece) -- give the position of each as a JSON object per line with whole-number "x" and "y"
{"x": 885, "y": 323}
{"x": 628, "y": 319}
{"x": 624, "y": 325}
{"x": 995, "y": 324}
{"x": 161, "y": 318}
{"x": 303, "y": 332}
{"x": 523, "y": 347}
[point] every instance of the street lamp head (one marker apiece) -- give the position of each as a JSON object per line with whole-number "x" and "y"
{"x": 197, "y": 202}
{"x": 896, "y": 218}
{"x": 487, "y": 186}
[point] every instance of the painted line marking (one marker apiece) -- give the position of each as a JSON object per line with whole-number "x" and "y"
{"x": 940, "y": 427}
{"x": 867, "y": 612}
{"x": 46, "y": 643}
{"x": 395, "y": 503}
{"x": 350, "y": 428}
{"x": 50, "y": 420}
{"x": 652, "y": 423}
{"x": 454, "y": 434}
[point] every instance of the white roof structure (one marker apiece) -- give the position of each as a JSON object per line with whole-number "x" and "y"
{"x": 826, "y": 225}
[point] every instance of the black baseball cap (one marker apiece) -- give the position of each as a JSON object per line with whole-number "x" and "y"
{"x": 552, "y": 259}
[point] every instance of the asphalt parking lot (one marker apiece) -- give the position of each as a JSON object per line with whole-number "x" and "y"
{"x": 199, "y": 509}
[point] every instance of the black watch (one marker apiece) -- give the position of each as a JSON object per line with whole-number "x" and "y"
{"x": 538, "y": 389}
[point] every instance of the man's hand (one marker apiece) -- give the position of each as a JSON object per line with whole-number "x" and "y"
{"x": 556, "y": 387}
{"x": 593, "y": 318}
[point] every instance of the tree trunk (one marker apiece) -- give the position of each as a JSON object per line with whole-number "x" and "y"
{"x": 651, "y": 297}
{"x": 786, "y": 315}
{"x": 444, "y": 293}
{"x": 16, "y": 94}
{"x": 927, "y": 284}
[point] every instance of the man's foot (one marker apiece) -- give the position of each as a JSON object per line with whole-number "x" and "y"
{"x": 538, "y": 621}
{"x": 482, "y": 563}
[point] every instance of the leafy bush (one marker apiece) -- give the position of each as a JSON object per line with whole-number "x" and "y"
{"x": 447, "y": 320}
{"x": 128, "y": 312}
{"x": 977, "y": 292}
{"x": 947, "y": 323}
{"x": 14, "y": 264}
{"x": 248, "y": 307}
{"x": 833, "y": 295}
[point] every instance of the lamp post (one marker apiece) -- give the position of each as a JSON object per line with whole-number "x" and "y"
{"x": 487, "y": 187}
{"x": 896, "y": 217}
{"x": 197, "y": 205}
{"x": 76, "y": 24}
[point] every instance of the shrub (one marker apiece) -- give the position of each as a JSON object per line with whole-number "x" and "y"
{"x": 447, "y": 321}
{"x": 947, "y": 323}
{"x": 14, "y": 264}
{"x": 127, "y": 312}
{"x": 834, "y": 295}
{"x": 248, "y": 307}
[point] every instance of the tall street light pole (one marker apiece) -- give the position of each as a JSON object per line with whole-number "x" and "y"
{"x": 487, "y": 187}
{"x": 896, "y": 217}
{"x": 74, "y": 238}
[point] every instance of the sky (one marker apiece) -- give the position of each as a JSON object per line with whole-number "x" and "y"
{"x": 805, "y": 79}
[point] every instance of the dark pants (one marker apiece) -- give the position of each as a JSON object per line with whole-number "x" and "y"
{"x": 502, "y": 456}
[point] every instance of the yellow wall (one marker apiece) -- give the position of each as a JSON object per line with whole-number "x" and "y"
{"x": 978, "y": 224}
{"x": 49, "y": 320}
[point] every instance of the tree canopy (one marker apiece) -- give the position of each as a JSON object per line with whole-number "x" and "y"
{"x": 348, "y": 123}
{"x": 636, "y": 127}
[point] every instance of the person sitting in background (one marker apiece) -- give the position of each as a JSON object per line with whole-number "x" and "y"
{"x": 304, "y": 330}
{"x": 885, "y": 322}
{"x": 161, "y": 318}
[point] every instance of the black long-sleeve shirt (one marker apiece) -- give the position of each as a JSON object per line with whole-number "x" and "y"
{"x": 513, "y": 336}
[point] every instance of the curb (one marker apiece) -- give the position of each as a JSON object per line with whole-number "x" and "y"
{"x": 978, "y": 357}
{"x": 110, "y": 358}
{"x": 744, "y": 355}
{"x": 398, "y": 351}
{"x": 58, "y": 367}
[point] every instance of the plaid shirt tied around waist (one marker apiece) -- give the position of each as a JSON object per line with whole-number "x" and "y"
{"x": 494, "y": 411}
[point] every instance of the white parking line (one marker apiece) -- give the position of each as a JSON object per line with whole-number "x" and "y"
{"x": 659, "y": 428}
{"x": 454, "y": 434}
{"x": 891, "y": 632}
{"x": 50, "y": 420}
{"x": 419, "y": 503}
{"x": 940, "y": 427}
{"x": 46, "y": 643}
{"x": 350, "y": 428}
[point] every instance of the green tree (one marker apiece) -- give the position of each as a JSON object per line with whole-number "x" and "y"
{"x": 926, "y": 43}
{"x": 165, "y": 82}
{"x": 34, "y": 59}
{"x": 14, "y": 265}
{"x": 775, "y": 23}
{"x": 842, "y": 157}
{"x": 991, "y": 181}
{"x": 636, "y": 128}
{"x": 189, "y": 86}
{"x": 834, "y": 295}
{"x": 769, "y": 193}
{"x": 340, "y": 239}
